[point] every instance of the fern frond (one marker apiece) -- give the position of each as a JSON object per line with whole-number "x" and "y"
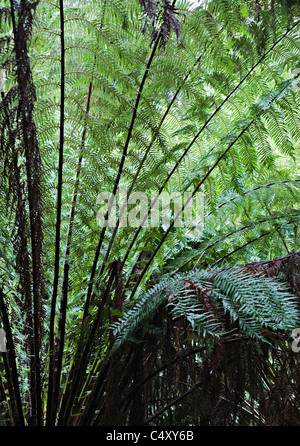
{"x": 205, "y": 297}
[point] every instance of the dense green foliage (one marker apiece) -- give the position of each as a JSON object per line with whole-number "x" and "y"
{"x": 151, "y": 96}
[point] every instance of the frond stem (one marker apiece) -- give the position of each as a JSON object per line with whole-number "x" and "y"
{"x": 120, "y": 170}
{"x": 52, "y": 398}
{"x": 202, "y": 129}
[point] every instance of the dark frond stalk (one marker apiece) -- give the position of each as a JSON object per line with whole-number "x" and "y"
{"x": 174, "y": 402}
{"x": 280, "y": 259}
{"x": 104, "y": 382}
{"x": 95, "y": 397}
{"x": 180, "y": 356}
{"x": 262, "y": 186}
{"x": 116, "y": 184}
{"x": 110, "y": 376}
{"x": 69, "y": 239}
{"x": 240, "y": 247}
{"x": 66, "y": 269}
{"x": 8, "y": 388}
{"x": 21, "y": 32}
{"x": 279, "y": 233}
{"x": 11, "y": 367}
{"x": 243, "y": 228}
{"x": 185, "y": 204}
{"x": 202, "y": 129}
{"x": 147, "y": 151}
{"x": 193, "y": 194}
{"x": 52, "y": 398}
{"x": 68, "y": 400}
{"x": 71, "y": 223}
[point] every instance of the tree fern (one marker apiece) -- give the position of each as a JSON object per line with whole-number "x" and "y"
{"x": 151, "y": 96}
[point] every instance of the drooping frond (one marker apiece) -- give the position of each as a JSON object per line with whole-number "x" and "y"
{"x": 205, "y": 297}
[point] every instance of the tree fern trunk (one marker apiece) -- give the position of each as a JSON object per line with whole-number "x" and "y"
{"x": 21, "y": 31}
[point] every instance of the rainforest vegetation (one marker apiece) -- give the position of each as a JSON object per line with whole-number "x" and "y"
{"x": 149, "y": 324}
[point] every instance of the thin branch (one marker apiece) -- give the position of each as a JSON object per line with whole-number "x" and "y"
{"x": 52, "y": 398}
